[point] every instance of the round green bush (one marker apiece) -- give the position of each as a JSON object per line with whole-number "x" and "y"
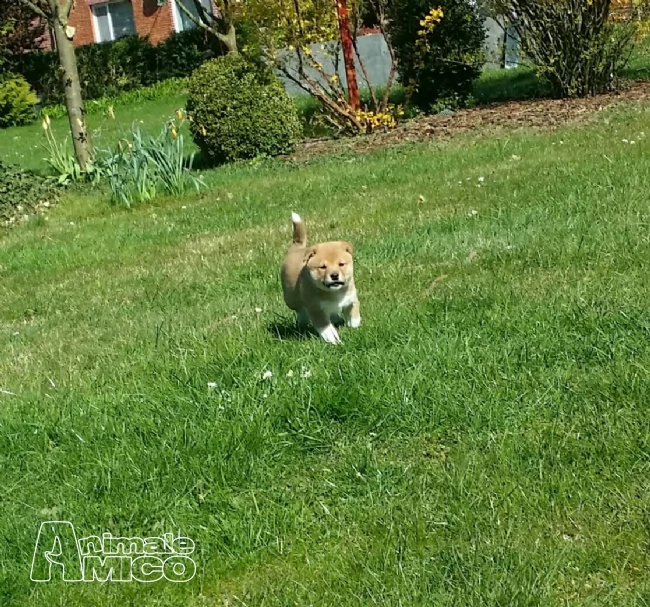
{"x": 240, "y": 111}
{"x": 454, "y": 60}
{"x": 17, "y": 101}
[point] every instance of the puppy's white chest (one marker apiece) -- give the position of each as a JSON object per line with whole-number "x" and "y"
{"x": 334, "y": 307}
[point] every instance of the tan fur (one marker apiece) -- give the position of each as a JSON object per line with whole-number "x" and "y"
{"x": 318, "y": 283}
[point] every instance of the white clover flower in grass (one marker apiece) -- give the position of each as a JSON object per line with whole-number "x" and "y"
{"x": 289, "y": 373}
{"x": 481, "y": 179}
{"x": 267, "y": 375}
{"x": 212, "y": 384}
{"x": 258, "y": 310}
{"x": 305, "y": 373}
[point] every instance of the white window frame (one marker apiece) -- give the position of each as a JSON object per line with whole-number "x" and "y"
{"x": 177, "y": 18}
{"x": 110, "y": 19}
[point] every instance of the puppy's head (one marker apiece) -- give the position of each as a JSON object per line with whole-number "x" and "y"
{"x": 330, "y": 265}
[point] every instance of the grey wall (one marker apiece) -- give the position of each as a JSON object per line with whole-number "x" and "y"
{"x": 374, "y": 52}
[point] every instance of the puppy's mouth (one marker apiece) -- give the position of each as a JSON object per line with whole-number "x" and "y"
{"x": 334, "y": 284}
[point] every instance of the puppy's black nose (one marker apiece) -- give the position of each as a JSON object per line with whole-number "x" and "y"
{"x": 334, "y": 276}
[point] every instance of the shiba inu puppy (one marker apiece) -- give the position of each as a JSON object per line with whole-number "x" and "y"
{"x": 318, "y": 283}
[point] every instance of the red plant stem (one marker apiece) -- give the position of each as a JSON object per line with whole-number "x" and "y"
{"x": 348, "y": 54}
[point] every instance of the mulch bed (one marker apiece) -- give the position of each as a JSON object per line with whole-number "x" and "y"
{"x": 511, "y": 115}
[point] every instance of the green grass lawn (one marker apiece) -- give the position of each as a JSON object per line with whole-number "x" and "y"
{"x": 482, "y": 442}
{"x": 24, "y": 145}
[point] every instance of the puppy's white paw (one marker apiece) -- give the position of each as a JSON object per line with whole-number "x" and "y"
{"x": 355, "y": 322}
{"x": 330, "y": 335}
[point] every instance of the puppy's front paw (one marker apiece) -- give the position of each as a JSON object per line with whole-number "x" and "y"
{"x": 330, "y": 335}
{"x": 354, "y": 322}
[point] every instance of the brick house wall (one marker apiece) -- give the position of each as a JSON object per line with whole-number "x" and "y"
{"x": 156, "y": 23}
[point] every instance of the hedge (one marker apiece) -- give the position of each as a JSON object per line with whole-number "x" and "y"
{"x": 110, "y": 68}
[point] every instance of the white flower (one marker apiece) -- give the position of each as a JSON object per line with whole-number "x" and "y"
{"x": 481, "y": 179}
{"x": 267, "y": 375}
{"x": 473, "y": 213}
{"x": 258, "y": 310}
{"x": 289, "y": 373}
{"x": 212, "y": 384}
{"x": 265, "y": 395}
{"x": 305, "y": 373}
{"x": 624, "y": 140}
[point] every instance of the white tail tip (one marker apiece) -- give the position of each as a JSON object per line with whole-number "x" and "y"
{"x": 295, "y": 218}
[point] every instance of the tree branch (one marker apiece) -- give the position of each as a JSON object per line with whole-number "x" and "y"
{"x": 316, "y": 90}
{"x": 203, "y": 13}
{"x": 36, "y": 9}
{"x": 66, "y": 8}
{"x": 198, "y": 22}
{"x": 366, "y": 76}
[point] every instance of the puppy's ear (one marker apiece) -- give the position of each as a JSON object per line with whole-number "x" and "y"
{"x": 348, "y": 247}
{"x": 311, "y": 251}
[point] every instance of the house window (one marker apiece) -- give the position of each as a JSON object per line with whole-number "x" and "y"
{"x": 182, "y": 21}
{"x": 113, "y": 20}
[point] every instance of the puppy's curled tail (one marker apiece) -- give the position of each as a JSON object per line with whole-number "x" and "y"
{"x": 299, "y": 230}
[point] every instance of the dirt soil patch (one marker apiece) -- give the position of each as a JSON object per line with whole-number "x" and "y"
{"x": 511, "y": 115}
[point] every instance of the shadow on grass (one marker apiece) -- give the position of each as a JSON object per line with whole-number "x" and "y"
{"x": 638, "y": 67}
{"x": 284, "y": 329}
{"x": 518, "y": 84}
{"x": 287, "y": 329}
{"x": 201, "y": 162}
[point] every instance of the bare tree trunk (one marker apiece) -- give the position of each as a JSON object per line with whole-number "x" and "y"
{"x": 229, "y": 40}
{"x": 72, "y": 87}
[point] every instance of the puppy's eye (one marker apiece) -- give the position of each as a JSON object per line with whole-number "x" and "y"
{"x": 323, "y": 267}
{"x": 341, "y": 264}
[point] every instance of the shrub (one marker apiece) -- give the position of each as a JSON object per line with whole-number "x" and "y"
{"x": 23, "y": 193}
{"x": 439, "y": 66}
{"x": 240, "y": 111}
{"x": 573, "y": 44}
{"x": 17, "y": 101}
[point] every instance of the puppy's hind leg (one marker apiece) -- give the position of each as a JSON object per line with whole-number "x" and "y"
{"x": 302, "y": 319}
